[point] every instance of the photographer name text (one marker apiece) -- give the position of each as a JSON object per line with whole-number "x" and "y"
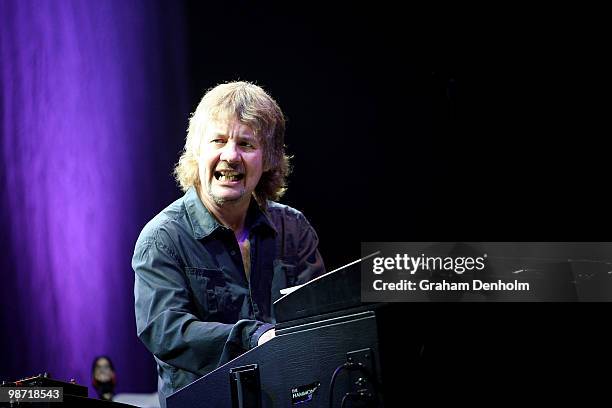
{"x": 444, "y": 285}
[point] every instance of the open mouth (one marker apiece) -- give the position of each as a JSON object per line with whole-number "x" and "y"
{"x": 228, "y": 175}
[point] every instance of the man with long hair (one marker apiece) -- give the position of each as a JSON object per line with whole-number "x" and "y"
{"x": 210, "y": 265}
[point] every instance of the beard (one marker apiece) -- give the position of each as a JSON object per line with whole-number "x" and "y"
{"x": 222, "y": 200}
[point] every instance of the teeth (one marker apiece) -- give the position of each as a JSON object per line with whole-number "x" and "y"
{"x": 229, "y": 177}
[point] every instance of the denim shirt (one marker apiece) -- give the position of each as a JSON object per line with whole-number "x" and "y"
{"x": 195, "y": 308}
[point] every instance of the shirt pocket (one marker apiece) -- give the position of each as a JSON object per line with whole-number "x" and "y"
{"x": 216, "y": 296}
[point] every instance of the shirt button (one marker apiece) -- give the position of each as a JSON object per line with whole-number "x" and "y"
{"x": 232, "y": 252}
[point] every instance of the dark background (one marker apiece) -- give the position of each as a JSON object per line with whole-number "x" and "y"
{"x": 410, "y": 124}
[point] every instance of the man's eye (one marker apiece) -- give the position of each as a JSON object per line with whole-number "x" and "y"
{"x": 247, "y": 145}
{"x": 218, "y": 141}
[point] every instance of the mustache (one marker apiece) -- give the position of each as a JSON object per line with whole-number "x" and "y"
{"x": 228, "y": 167}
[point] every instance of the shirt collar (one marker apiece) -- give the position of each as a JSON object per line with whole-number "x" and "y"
{"x": 204, "y": 223}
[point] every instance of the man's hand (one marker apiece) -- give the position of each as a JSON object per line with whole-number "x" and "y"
{"x": 269, "y": 335}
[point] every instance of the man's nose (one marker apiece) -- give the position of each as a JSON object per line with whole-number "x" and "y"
{"x": 230, "y": 153}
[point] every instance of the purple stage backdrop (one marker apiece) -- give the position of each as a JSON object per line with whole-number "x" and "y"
{"x": 92, "y": 98}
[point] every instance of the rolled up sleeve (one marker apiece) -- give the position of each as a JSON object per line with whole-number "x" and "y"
{"x": 310, "y": 263}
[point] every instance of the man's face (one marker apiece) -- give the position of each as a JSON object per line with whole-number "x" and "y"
{"x": 230, "y": 163}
